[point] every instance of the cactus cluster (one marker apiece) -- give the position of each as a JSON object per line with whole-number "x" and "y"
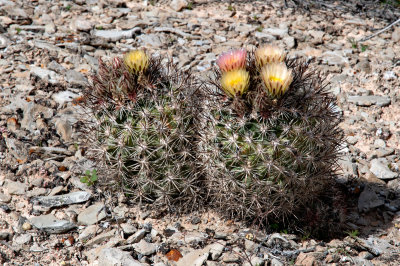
{"x": 144, "y": 128}
{"x": 258, "y": 141}
{"x": 270, "y": 139}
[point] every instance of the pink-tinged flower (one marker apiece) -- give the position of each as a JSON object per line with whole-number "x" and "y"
{"x": 277, "y": 78}
{"x": 232, "y": 60}
{"x": 269, "y": 54}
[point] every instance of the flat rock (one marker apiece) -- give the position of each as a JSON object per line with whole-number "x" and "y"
{"x": 64, "y": 129}
{"x": 195, "y": 258}
{"x": 45, "y": 74}
{"x": 116, "y": 257}
{"x": 17, "y": 149}
{"x": 152, "y": 40}
{"x": 116, "y": 35}
{"x": 15, "y": 188}
{"x": 92, "y": 214}
{"x": 75, "y": 78}
{"x": 334, "y": 58}
{"x": 100, "y": 238}
{"x": 178, "y": 5}
{"x": 368, "y": 200}
{"x": 64, "y": 96}
{"x": 145, "y": 248}
{"x": 139, "y": 235}
{"x": 380, "y": 168}
{"x": 61, "y": 200}
{"x": 5, "y": 198}
{"x": 277, "y": 32}
{"x": 51, "y": 224}
{"x": 369, "y": 100}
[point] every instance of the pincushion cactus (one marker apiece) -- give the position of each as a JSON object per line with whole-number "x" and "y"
{"x": 144, "y": 128}
{"x": 268, "y": 144}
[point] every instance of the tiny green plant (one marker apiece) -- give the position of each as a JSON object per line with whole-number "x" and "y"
{"x": 259, "y": 28}
{"x": 18, "y": 30}
{"x": 189, "y": 6}
{"x": 353, "y": 233}
{"x": 90, "y": 177}
{"x": 152, "y": 2}
{"x": 231, "y": 8}
{"x": 99, "y": 28}
{"x": 364, "y": 47}
{"x": 354, "y": 43}
{"x": 68, "y": 7}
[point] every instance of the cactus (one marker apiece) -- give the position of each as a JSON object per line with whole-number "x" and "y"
{"x": 144, "y": 128}
{"x": 269, "y": 141}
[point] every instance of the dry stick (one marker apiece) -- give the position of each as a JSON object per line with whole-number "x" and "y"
{"x": 380, "y": 31}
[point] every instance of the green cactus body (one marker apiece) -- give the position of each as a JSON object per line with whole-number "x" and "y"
{"x": 264, "y": 166}
{"x": 144, "y": 132}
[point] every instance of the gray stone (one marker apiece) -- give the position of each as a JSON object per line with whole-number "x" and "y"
{"x": 379, "y": 143}
{"x": 376, "y": 246}
{"x": 48, "y": 152}
{"x": 115, "y": 35}
{"x": 81, "y": 24}
{"x": 178, "y": 5}
{"x": 230, "y": 257}
{"x": 64, "y": 129}
{"x": 139, "y": 235}
{"x": 4, "y": 41}
{"x": 195, "y": 258}
{"x": 277, "y": 239}
{"x": 61, "y": 200}
{"x": 194, "y": 238}
{"x": 368, "y": 200}
{"x": 15, "y": 188}
{"x": 18, "y": 149}
{"x": 64, "y": 96}
{"x": 379, "y": 167}
{"x": 369, "y": 100}
{"x": 22, "y": 239}
{"x": 128, "y": 229}
{"x": 45, "y": 74}
{"x": 389, "y": 75}
{"x": 216, "y": 249}
{"x": 396, "y": 35}
{"x": 352, "y": 140}
{"x": 75, "y": 78}
{"x": 31, "y": 112}
{"x": 92, "y": 214}
{"x": 383, "y": 152}
{"x": 334, "y": 58}
{"x": 51, "y": 224}
{"x": 116, "y": 257}
{"x": 277, "y": 32}
{"x": 54, "y": 66}
{"x": 152, "y": 40}
{"x": 100, "y": 238}
{"x": 87, "y": 233}
{"x": 275, "y": 262}
{"x": 145, "y": 248}
{"x": 289, "y": 41}
{"x": 5, "y": 198}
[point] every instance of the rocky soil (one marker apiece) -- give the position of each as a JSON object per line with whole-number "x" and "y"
{"x": 48, "y": 49}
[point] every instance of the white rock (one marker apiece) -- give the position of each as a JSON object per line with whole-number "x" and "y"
{"x": 178, "y": 5}
{"x": 116, "y": 257}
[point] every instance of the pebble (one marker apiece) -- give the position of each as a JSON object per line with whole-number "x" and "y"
{"x": 15, "y": 188}
{"x": 144, "y": 248}
{"x": 92, "y": 214}
{"x": 381, "y": 101}
{"x": 368, "y": 200}
{"x": 380, "y": 168}
{"x": 5, "y": 198}
{"x": 334, "y": 58}
{"x": 51, "y": 224}
{"x": 178, "y": 5}
{"x": 115, "y": 35}
{"x": 26, "y": 226}
{"x": 115, "y": 256}
{"x": 61, "y": 200}
{"x": 22, "y": 239}
{"x": 136, "y": 237}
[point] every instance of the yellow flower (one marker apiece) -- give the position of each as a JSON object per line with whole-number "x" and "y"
{"x": 235, "y": 82}
{"x": 277, "y": 78}
{"x": 137, "y": 61}
{"x": 269, "y": 54}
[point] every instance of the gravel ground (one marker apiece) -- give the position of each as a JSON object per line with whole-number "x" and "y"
{"x": 48, "y": 49}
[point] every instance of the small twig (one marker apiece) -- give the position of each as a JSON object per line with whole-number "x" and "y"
{"x": 380, "y": 31}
